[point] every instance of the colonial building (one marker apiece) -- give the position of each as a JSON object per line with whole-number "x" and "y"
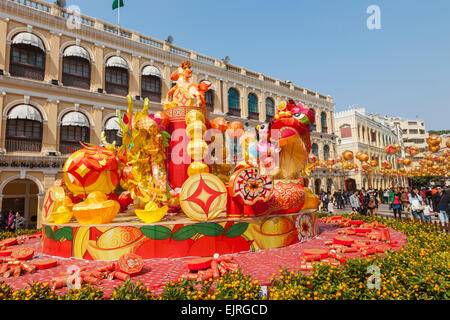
{"x": 414, "y": 133}
{"x": 64, "y": 76}
{"x": 359, "y": 132}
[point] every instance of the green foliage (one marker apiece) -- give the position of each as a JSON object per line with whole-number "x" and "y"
{"x": 418, "y": 271}
{"x": 131, "y": 291}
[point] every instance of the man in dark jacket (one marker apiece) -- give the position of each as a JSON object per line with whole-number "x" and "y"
{"x": 442, "y": 200}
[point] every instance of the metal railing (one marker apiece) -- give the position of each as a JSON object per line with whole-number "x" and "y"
{"x": 15, "y": 145}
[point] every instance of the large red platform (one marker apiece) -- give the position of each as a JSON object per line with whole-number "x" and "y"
{"x": 177, "y": 236}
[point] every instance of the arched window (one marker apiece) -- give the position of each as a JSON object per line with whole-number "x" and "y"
{"x": 209, "y": 96}
{"x": 27, "y": 57}
{"x": 323, "y": 122}
{"x": 253, "y": 106}
{"x": 23, "y": 129}
{"x": 270, "y": 109}
{"x": 151, "y": 84}
{"x": 313, "y": 127}
{"x": 112, "y": 131}
{"x": 315, "y": 149}
{"x": 76, "y": 68}
{"x": 116, "y": 76}
{"x": 326, "y": 152}
{"x": 74, "y": 129}
{"x": 234, "y": 107}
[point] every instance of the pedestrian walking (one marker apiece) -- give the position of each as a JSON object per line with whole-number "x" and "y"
{"x": 397, "y": 204}
{"x": 416, "y": 203}
{"x": 355, "y": 203}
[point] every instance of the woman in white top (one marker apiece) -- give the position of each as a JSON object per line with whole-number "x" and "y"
{"x": 416, "y": 205}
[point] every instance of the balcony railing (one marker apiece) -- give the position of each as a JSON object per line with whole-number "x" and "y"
{"x": 15, "y": 145}
{"x": 253, "y": 115}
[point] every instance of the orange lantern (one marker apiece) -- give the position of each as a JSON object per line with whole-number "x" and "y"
{"x": 373, "y": 163}
{"x": 358, "y": 155}
{"x": 219, "y": 123}
{"x": 348, "y": 155}
{"x": 447, "y": 143}
{"x": 364, "y": 157}
{"x": 235, "y": 129}
{"x": 434, "y": 148}
{"x": 407, "y": 162}
{"x": 365, "y": 166}
{"x": 413, "y": 151}
{"x": 434, "y": 140}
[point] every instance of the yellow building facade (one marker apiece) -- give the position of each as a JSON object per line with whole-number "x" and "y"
{"x": 63, "y": 77}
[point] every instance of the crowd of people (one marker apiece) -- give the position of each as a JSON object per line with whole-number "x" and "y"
{"x": 417, "y": 203}
{"x": 12, "y": 221}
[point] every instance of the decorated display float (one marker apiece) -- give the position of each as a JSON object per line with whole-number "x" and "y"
{"x": 183, "y": 192}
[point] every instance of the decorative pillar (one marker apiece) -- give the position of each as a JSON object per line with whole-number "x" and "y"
{"x": 244, "y": 102}
{"x": 135, "y": 76}
{"x": 50, "y": 128}
{"x": 98, "y": 69}
{"x": 53, "y": 58}
{"x": 3, "y": 46}
{"x": 98, "y": 122}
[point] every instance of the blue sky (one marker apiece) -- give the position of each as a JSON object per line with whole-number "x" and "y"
{"x": 323, "y": 45}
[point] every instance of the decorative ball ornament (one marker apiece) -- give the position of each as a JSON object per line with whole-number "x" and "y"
{"x": 235, "y": 129}
{"x": 219, "y": 123}
{"x": 249, "y": 186}
{"x": 365, "y": 166}
{"x": 373, "y": 163}
{"x": 407, "y": 162}
{"x": 413, "y": 151}
{"x": 348, "y": 155}
{"x": 447, "y": 143}
{"x": 434, "y": 140}
{"x": 203, "y": 197}
{"x": 91, "y": 169}
{"x": 434, "y": 148}
{"x": 364, "y": 157}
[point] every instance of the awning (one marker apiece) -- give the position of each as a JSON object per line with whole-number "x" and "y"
{"x": 24, "y": 111}
{"x": 29, "y": 39}
{"x": 76, "y": 51}
{"x": 209, "y": 82}
{"x": 75, "y": 119}
{"x": 151, "y": 71}
{"x": 117, "y": 62}
{"x": 112, "y": 124}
